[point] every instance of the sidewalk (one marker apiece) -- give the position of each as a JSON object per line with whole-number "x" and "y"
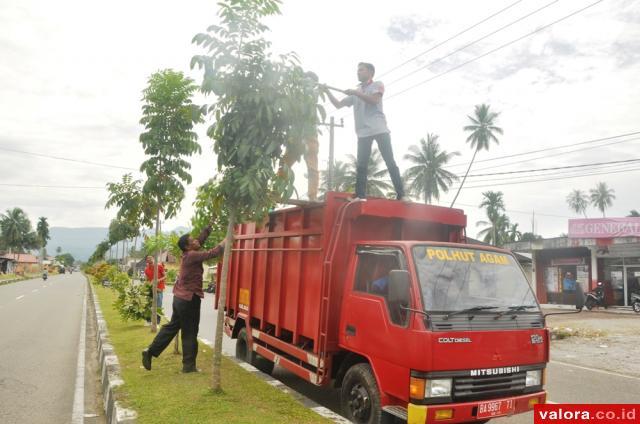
{"x": 609, "y": 310}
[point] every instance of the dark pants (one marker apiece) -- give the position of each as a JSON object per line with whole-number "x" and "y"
{"x": 185, "y": 317}
{"x": 364, "y": 153}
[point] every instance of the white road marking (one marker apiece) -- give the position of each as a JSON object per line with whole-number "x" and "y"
{"x": 595, "y": 370}
{"x": 77, "y": 417}
{"x": 19, "y": 297}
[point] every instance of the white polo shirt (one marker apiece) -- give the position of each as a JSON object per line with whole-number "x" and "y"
{"x": 369, "y": 118}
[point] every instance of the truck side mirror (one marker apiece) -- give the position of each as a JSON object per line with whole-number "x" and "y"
{"x": 399, "y": 287}
{"x": 579, "y": 297}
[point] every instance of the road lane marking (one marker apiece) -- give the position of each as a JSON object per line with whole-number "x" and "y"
{"x": 19, "y": 297}
{"x": 595, "y": 370}
{"x": 77, "y": 417}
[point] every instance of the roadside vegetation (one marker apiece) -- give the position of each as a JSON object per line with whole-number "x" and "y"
{"x": 165, "y": 395}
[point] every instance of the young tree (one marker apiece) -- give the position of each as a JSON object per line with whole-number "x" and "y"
{"x": 259, "y": 116}
{"x": 578, "y": 201}
{"x": 483, "y": 130}
{"x": 602, "y": 197}
{"x": 168, "y": 116}
{"x": 428, "y": 177}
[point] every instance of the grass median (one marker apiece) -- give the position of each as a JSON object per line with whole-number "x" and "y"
{"x": 165, "y": 395}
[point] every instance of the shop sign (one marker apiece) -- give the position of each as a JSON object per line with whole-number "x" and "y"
{"x": 604, "y": 227}
{"x": 567, "y": 261}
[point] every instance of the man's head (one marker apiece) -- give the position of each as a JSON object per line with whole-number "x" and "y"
{"x": 186, "y": 242}
{"x": 149, "y": 260}
{"x": 569, "y": 275}
{"x": 366, "y": 71}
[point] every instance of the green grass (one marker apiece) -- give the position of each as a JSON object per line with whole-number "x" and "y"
{"x": 165, "y": 395}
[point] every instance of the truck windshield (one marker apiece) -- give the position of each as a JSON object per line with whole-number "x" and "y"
{"x": 455, "y": 279}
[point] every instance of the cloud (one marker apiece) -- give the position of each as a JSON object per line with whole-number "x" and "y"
{"x": 404, "y": 29}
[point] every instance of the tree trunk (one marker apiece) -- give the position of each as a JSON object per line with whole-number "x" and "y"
{"x": 465, "y": 177}
{"x": 222, "y": 300}
{"x": 154, "y": 304}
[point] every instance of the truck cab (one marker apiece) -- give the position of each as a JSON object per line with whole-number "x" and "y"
{"x": 450, "y": 332}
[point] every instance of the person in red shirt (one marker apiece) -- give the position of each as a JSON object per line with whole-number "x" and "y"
{"x": 187, "y": 295}
{"x": 148, "y": 272}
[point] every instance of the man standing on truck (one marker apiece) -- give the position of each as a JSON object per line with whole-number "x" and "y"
{"x": 371, "y": 124}
{"x": 187, "y": 295}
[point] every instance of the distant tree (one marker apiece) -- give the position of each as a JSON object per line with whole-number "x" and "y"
{"x": 101, "y": 249}
{"x": 530, "y": 237}
{"x": 427, "y": 177}
{"x": 483, "y": 131}
{"x": 602, "y": 196}
{"x": 15, "y": 230}
{"x": 578, "y": 201}
{"x": 633, "y": 213}
{"x": 340, "y": 180}
{"x": 66, "y": 258}
{"x": 42, "y": 229}
{"x": 58, "y": 250}
{"x": 513, "y": 234}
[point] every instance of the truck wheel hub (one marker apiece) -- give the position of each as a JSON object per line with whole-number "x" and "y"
{"x": 359, "y": 402}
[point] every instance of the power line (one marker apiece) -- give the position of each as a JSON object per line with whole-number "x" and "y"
{"x": 530, "y": 152}
{"x": 555, "y": 168}
{"x": 494, "y": 50}
{"x": 66, "y": 159}
{"x": 450, "y": 38}
{"x": 49, "y": 186}
{"x": 473, "y": 42}
{"x": 548, "y": 179}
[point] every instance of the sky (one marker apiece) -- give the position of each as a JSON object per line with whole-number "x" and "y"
{"x": 72, "y": 73}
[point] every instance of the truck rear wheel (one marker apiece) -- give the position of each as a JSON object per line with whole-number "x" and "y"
{"x": 246, "y": 354}
{"x": 360, "y": 397}
{"x": 242, "y": 345}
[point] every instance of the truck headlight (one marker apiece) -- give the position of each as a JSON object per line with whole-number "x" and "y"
{"x": 534, "y": 378}
{"x": 438, "y": 388}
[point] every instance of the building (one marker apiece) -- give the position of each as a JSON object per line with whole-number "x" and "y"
{"x": 601, "y": 249}
{"x": 18, "y": 263}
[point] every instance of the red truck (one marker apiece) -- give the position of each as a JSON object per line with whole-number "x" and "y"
{"x": 387, "y": 301}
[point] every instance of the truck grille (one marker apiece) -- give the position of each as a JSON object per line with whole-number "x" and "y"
{"x": 485, "y": 322}
{"x": 486, "y": 387}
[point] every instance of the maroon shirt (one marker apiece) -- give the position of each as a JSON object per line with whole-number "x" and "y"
{"x": 190, "y": 277}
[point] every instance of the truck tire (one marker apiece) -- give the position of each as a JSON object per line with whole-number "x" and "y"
{"x": 242, "y": 346}
{"x": 360, "y": 397}
{"x": 263, "y": 364}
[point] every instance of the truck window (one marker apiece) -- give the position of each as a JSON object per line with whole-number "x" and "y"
{"x": 372, "y": 276}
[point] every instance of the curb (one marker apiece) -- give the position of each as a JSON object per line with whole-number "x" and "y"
{"x": 305, "y": 401}
{"x": 109, "y": 369}
{"x": 620, "y": 310}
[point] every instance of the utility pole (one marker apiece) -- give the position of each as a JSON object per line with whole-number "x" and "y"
{"x": 332, "y": 124}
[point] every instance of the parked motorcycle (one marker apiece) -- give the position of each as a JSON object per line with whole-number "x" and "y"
{"x": 635, "y": 302}
{"x": 595, "y": 297}
{"x": 45, "y": 276}
{"x": 211, "y": 287}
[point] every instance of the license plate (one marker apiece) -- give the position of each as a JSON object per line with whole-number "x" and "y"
{"x": 495, "y": 408}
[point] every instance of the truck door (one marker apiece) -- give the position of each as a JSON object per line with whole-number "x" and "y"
{"x": 373, "y": 326}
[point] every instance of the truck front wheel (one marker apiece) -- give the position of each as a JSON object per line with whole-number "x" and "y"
{"x": 359, "y": 397}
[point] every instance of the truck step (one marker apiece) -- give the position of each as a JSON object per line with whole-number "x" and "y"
{"x": 396, "y": 411}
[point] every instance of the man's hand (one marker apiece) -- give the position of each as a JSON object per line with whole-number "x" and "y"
{"x": 350, "y": 92}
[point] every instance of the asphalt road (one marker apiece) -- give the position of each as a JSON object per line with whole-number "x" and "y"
{"x": 565, "y": 383}
{"x": 39, "y": 350}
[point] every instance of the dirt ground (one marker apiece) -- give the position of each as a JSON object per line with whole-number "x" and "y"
{"x": 600, "y": 340}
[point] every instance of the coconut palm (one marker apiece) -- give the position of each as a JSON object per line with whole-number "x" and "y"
{"x": 602, "y": 197}
{"x": 497, "y": 230}
{"x": 633, "y": 213}
{"x": 493, "y": 202}
{"x": 513, "y": 234}
{"x": 42, "y": 229}
{"x": 578, "y": 201}
{"x": 428, "y": 177}
{"x": 377, "y": 184}
{"x": 483, "y": 131}
{"x": 15, "y": 228}
{"x": 340, "y": 179}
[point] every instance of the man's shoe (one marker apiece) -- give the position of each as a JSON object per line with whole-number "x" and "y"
{"x": 190, "y": 369}
{"x": 358, "y": 199}
{"x": 146, "y": 359}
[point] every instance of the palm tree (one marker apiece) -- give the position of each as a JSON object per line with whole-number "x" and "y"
{"x": 42, "y": 229}
{"x": 15, "y": 228}
{"x": 377, "y": 185}
{"x": 493, "y": 202}
{"x": 340, "y": 179}
{"x": 497, "y": 230}
{"x": 483, "y": 131}
{"x": 578, "y": 201}
{"x": 513, "y": 234}
{"x": 633, "y": 213}
{"x": 602, "y": 196}
{"x": 428, "y": 177}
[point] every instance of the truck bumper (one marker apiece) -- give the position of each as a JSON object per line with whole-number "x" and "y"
{"x": 468, "y": 412}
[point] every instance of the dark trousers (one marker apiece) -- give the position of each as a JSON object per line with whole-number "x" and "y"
{"x": 364, "y": 153}
{"x": 185, "y": 317}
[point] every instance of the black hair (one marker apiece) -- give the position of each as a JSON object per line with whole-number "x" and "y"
{"x": 183, "y": 242}
{"x": 369, "y": 66}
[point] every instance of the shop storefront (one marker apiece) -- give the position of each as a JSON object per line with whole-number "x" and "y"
{"x": 606, "y": 250}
